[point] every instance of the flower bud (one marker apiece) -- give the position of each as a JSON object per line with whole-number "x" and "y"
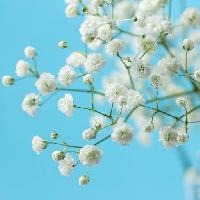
{"x": 54, "y": 135}
{"x": 188, "y": 45}
{"x": 156, "y": 81}
{"x": 88, "y": 79}
{"x": 58, "y": 155}
{"x": 84, "y": 180}
{"x": 30, "y": 52}
{"x": 62, "y": 44}
{"x": 122, "y": 101}
{"x": 8, "y": 80}
{"x": 182, "y": 138}
{"x": 182, "y": 102}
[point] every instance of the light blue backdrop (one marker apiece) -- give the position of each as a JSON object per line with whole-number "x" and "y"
{"x": 125, "y": 172}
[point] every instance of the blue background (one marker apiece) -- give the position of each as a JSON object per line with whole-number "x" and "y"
{"x": 129, "y": 172}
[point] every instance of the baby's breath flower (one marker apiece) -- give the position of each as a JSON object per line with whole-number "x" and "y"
{"x": 197, "y": 75}
{"x": 8, "y": 80}
{"x": 46, "y": 83}
{"x": 156, "y": 80}
{"x": 88, "y": 78}
{"x": 84, "y": 180}
{"x": 58, "y": 155}
{"x": 62, "y": 44}
{"x": 30, "y": 52}
{"x": 66, "y": 166}
{"x": 90, "y": 155}
{"x": 188, "y": 44}
{"x": 182, "y": 102}
{"x": 122, "y": 133}
{"x": 76, "y": 59}
{"x": 31, "y": 103}
{"x": 22, "y": 68}
{"x": 66, "y": 105}
{"x": 38, "y": 144}
{"x": 114, "y": 46}
{"x": 66, "y": 75}
{"x": 71, "y": 10}
{"x": 89, "y": 134}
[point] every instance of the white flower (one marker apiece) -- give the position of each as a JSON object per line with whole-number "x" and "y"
{"x": 88, "y": 78}
{"x": 97, "y": 122}
{"x": 148, "y": 128}
{"x": 122, "y": 101}
{"x": 66, "y": 75}
{"x": 62, "y": 44}
{"x": 66, "y": 166}
{"x": 89, "y": 134}
{"x": 188, "y": 44}
{"x": 190, "y": 17}
{"x": 165, "y": 27}
{"x": 31, "y": 103}
{"x": 76, "y": 59}
{"x": 46, "y": 83}
{"x": 8, "y": 80}
{"x": 140, "y": 69}
{"x": 22, "y": 68}
{"x": 90, "y": 155}
{"x": 94, "y": 62}
{"x": 168, "y": 66}
{"x": 182, "y": 102}
{"x": 30, "y": 52}
{"x": 66, "y": 105}
{"x": 71, "y": 10}
{"x": 147, "y": 43}
{"x": 58, "y": 155}
{"x": 134, "y": 99}
{"x": 168, "y": 136}
{"x": 182, "y": 138}
{"x": 197, "y": 75}
{"x": 84, "y": 180}
{"x": 38, "y": 144}
{"x": 105, "y": 32}
{"x": 122, "y": 133}
{"x": 114, "y": 91}
{"x": 156, "y": 80}
{"x": 114, "y": 46}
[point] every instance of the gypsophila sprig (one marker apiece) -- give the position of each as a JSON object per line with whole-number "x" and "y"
{"x": 153, "y": 84}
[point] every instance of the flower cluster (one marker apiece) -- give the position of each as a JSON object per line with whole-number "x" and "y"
{"x": 155, "y": 85}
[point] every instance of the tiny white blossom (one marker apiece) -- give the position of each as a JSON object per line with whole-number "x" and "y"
{"x": 8, "y": 80}
{"x": 66, "y": 105}
{"x": 97, "y": 122}
{"x": 94, "y": 62}
{"x": 190, "y": 17}
{"x": 30, "y": 52}
{"x": 38, "y": 144}
{"x": 58, "y": 155}
{"x": 140, "y": 69}
{"x": 66, "y": 166}
{"x": 31, "y": 103}
{"x": 84, "y": 180}
{"x": 168, "y": 66}
{"x": 188, "y": 44}
{"x": 134, "y": 98}
{"x": 46, "y": 83}
{"x": 90, "y": 155}
{"x": 105, "y": 32}
{"x": 22, "y": 68}
{"x": 66, "y": 75}
{"x": 114, "y": 46}
{"x": 76, "y": 59}
{"x": 88, "y": 78}
{"x": 122, "y": 133}
{"x": 89, "y": 134}
{"x": 62, "y": 44}
{"x": 182, "y": 138}
{"x": 114, "y": 91}
{"x": 71, "y": 10}
{"x": 168, "y": 136}
{"x": 165, "y": 27}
